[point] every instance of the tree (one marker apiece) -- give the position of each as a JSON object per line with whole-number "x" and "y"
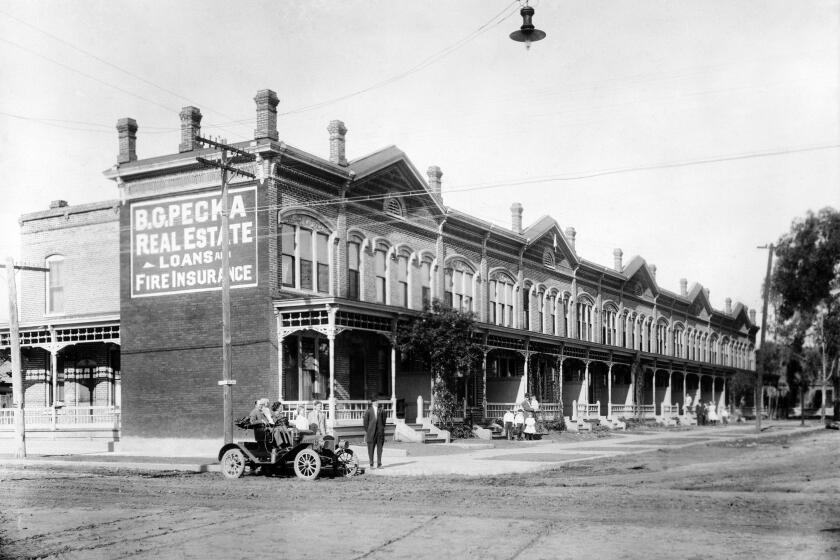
{"x": 441, "y": 340}
{"x": 806, "y": 281}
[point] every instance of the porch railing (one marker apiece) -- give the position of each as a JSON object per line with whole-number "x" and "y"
{"x": 66, "y": 418}
{"x": 633, "y": 410}
{"x": 548, "y": 411}
{"x": 347, "y": 412}
{"x": 670, "y": 410}
{"x": 586, "y": 411}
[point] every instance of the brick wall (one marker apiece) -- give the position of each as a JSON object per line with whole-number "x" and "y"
{"x": 172, "y": 350}
{"x": 87, "y": 236}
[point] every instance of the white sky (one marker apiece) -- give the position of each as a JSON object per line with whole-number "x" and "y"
{"x": 616, "y": 85}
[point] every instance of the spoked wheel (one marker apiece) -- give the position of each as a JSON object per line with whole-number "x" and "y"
{"x": 307, "y": 464}
{"x": 233, "y": 463}
{"x": 347, "y": 464}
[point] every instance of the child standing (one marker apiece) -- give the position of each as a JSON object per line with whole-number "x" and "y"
{"x": 518, "y": 423}
{"x": 530, "y": 426}
{"x": 508, "y": 422}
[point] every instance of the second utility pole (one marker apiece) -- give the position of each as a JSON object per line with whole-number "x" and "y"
{"x": 223, "y": 164}
{"x": 759, "y": 390}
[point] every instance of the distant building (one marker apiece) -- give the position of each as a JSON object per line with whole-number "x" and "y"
{"x": 327, "y": 255}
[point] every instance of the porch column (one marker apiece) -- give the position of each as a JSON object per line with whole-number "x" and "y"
{"x": 280, "y": 337}
{"x": 393, "y": 380}
{"x": 560, "y": 385}
{"x": 484, "y": 383}
{"x": 331, "y": 334}
{"x": 653, "y": 391}
{"x": 331, "y": 340}
{"x": 685, "y": 382}
{"x": 609, "y": 391}
{"x": 670, "y": 398}
{"x": 586, "y": 386}
{"x": 699, "y": 392}
{"x": 54, "y": 371}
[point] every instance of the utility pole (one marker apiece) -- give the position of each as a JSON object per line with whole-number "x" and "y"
{"x": 14, "y": 345}
{"x": 223, "y": 164}
{"x": 759, "y": 390}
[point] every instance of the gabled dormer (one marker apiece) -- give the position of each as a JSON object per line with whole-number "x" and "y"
{"x": 641, "y": 281}
{"x": 388, "y": 177}
{"x": 700, "y": 306}
{"x": 546, "y": 241}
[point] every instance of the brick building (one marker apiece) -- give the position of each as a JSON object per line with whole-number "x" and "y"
{"x": 328, "y": 254}
{"x": 69, "y": 315}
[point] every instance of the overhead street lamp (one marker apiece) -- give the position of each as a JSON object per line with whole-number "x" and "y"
{"x": 527, "y": 33}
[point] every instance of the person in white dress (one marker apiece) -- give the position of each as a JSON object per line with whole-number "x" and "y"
{"x": 712, "y": 412}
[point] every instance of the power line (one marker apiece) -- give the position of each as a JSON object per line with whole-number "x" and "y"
{"x": 107, "y": 63}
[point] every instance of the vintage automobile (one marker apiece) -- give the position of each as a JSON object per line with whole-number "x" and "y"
{"x": 305, "y": 456}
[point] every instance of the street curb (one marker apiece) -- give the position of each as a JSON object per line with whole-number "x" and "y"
{"x": 111, "y": 465}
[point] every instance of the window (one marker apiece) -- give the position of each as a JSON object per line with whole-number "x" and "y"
{"x": 402, "y": 282}
{"x": 526, "y": 307}
{"x": 322, "y": 247}
{"x": 458, "y": 289}
{"x": 55, "y": 285}
{"x": 661, "y": 338}
{"x": 305, "y": 258}
{"x": 678, "y": 343}
{"x": 501, "y": 302}
{"x": 548, "y": 258}
{"x": 353, "y": 270}
{"x": 648, "y": 328}
{"x": 609, "y": 331}
{"x": 289, "y": 250}
{"x": 379, "y": 270}
{"x": 552, "y": 315}
{"x": 541, "y": 311}
{"x": 425, "y": 283}
{"x": 394, "y": 207}
{"x": 447, "y": 287}
{"x": 584, "y": 320}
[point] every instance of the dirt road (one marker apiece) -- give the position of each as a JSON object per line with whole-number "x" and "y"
{"x": 779, "y": 498}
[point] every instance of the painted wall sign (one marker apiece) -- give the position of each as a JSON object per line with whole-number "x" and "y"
{"x": 176, "y": 243}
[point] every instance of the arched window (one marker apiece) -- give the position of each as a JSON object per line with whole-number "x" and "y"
{"x": 661, "y": 338}
{"x": 609, "y": 329}
{"x": 380, "y": 272}
{"x": 353, "y": 252}
{"x": 713, "y": 347}
{"x": 401, "y": 295}
{"x": 501, "y": 301}
{"x": 679, "y": 348}
{"x": 552, "y": 314}
{"x": 458, "y": 288}
{"x": 526, "y": 306}
{"x": 394, "y": 207}
{"x": 55, "y": 285}
{"x": 548, "y": 258}
{"x": 585, "y": 320}
{"x": 426, "y": 283}
{"x": 305, "y": 257}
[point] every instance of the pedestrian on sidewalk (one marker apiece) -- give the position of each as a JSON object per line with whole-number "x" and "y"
{"x": 507, "y": 421}
{"x": 374, "y": 425}
{"x": 519, "y": 423}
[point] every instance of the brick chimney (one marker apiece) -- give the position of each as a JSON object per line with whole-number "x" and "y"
{"x": 266, "y": 101}
{"x": 127, "y": 134}
{"x": 58, "y": 204}
{"x": 190, "y": 128}
{"x": 617, "y": 264}
{"x": 752, "y": 316}
{"x": 337, "y": 132}
{"x": 516, "y": 217}
{"x": 683, "y": 287}
{"x": 570, "y": 236}
{"x": 728, "y": 306}
{"x": 434, "y": 174}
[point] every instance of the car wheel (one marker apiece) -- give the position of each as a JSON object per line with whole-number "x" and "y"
{"x": 307, "y": 464}
{"x": 233, "y": 463}
{"x": 347, "y": 463}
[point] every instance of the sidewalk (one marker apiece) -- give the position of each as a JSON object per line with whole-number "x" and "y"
{"x": 471, "y": 457}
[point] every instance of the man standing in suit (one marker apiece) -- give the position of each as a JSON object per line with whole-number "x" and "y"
{"x": 374, "y": 424}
